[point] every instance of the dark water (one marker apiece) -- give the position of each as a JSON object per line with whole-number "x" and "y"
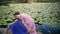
{"x": 47, "y": 29}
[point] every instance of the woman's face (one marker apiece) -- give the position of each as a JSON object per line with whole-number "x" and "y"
{"x": 16, "y": 16}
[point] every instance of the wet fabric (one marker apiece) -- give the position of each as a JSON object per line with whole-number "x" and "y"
{"x": 17, "y": 27}
{"x": 28, "y": 22}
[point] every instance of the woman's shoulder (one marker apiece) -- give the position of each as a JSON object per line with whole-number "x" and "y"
{"x": 24, "y": 15}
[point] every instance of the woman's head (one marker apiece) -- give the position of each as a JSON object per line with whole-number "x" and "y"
{"x": 16, "y": 15}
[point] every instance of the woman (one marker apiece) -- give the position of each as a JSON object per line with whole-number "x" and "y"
{"x": 23, "y": 24}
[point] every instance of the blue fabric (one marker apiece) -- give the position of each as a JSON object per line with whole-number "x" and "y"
{"x": 18, "y": 27}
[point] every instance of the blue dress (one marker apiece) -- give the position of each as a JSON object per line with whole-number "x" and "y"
{"x": 18, "y": 27}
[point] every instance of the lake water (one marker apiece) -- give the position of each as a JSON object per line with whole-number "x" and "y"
{"x": 47, "y": 29}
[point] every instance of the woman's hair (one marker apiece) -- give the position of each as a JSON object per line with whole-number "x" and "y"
{"x": 16, "y": 13}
